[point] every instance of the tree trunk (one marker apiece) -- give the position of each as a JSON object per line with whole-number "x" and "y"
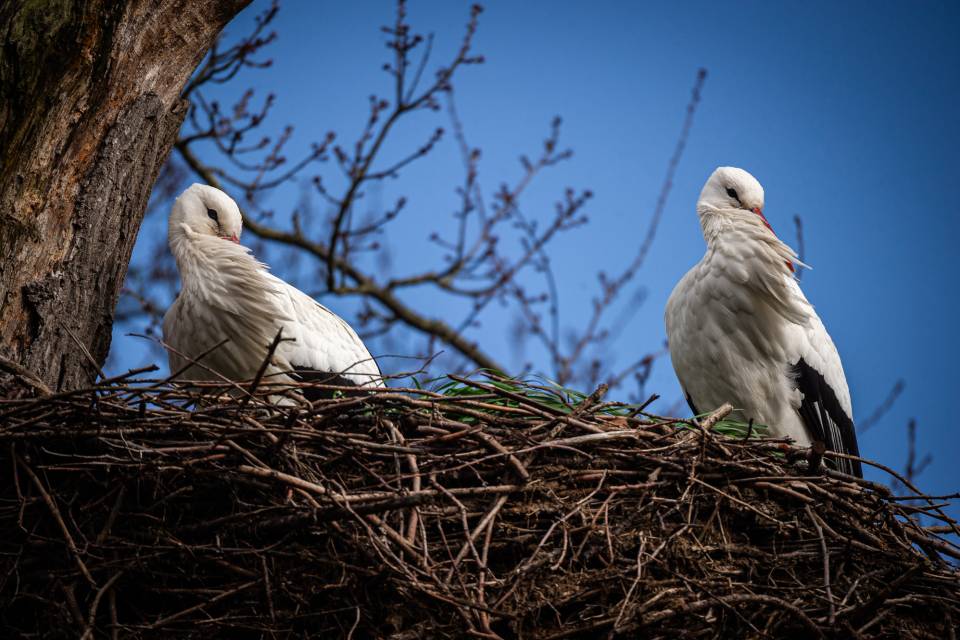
{"x": 89, "y": 108}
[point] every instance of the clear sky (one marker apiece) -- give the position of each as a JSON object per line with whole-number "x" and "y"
{"x": 845, "y": 112}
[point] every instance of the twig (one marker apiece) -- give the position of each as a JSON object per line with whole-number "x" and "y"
{"x": 716, "y": 416}
{"x": 92, "y": 619}
{"x": 826, "y": 566}
{"x": 55, "y": 512}
{"x": 25, "y": 374}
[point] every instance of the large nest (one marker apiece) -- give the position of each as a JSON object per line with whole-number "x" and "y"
{"x": 491, "y": 509}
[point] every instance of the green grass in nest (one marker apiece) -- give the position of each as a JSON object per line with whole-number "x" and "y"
{"x": 551, "y": 395}
{"x": 537, "y": 389}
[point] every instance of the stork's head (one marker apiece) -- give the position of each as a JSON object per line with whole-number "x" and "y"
{"x": 206, "y": 211}
{"x": 731, "y": 188}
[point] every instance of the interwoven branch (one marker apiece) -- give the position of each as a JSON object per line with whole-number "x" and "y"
{"x": 487, "y": 508}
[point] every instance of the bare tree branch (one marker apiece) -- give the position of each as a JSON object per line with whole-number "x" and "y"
{"x": 882, "y": 409}
{"x": 497, "y": 251}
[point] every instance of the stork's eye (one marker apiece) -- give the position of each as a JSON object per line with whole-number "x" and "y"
{"x": 213, "y": 214}
{"x": 733, "y": 194}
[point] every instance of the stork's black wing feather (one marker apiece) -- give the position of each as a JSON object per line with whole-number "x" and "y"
{"x": 304, "y": 374}
{"x": 690, "y": 404}
{"x": 826, "y": 419}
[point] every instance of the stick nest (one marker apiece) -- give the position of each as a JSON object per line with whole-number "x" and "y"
{"x": 491, "y": 509}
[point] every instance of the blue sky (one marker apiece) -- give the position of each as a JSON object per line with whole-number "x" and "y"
{"x": 846, "y": 113}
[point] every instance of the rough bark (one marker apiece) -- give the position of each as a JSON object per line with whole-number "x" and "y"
{"x": 89, "y": 108}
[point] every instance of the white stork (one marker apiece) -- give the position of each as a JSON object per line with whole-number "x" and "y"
{"x": 226, "y": 293}
{"x": 741, "y": 331}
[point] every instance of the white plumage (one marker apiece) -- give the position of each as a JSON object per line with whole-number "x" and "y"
{"x": 227, "y": 294}
{"x": 741, "y": 331}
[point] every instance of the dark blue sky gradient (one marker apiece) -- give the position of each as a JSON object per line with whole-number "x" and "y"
{"x": 845, "y": 112}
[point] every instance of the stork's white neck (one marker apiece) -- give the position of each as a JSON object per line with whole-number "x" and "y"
{"x": 744, "y": 235}
{"x": 194, "y": 253}
{"x": 213, "y": 267}
{"x": 715, "y": 222}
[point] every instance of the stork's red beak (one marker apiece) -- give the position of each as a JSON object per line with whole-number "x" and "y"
{"x": 759, "y": 212}
{"x": 234, "y": 238}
